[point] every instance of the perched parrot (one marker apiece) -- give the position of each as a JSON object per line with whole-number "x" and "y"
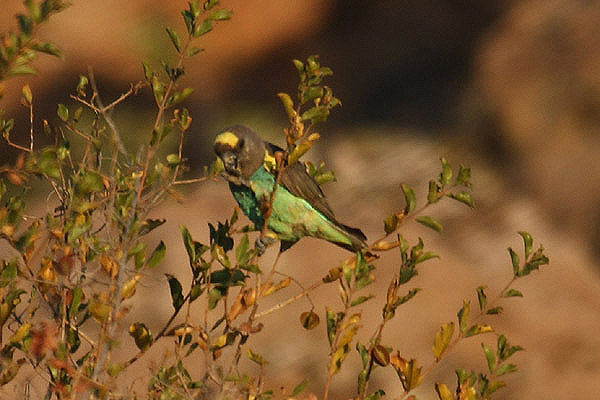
{"x": 299, "y": 207}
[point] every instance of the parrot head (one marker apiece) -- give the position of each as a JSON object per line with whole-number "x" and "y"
{"x": 241, "y": 149}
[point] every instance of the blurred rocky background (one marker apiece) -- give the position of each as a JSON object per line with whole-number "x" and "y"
{"x": 510, "y": 87}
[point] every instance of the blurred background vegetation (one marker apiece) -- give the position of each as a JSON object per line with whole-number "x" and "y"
{"x": 510, "y": 87}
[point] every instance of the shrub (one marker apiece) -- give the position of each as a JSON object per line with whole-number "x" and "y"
{"x": 66, "y": 324}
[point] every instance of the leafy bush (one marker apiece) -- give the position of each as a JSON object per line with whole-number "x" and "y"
{"x": 71, "y": 275}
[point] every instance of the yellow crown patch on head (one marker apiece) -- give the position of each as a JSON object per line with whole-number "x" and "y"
{"x": 227, "y": 138}
{"x": 270, "y": 162}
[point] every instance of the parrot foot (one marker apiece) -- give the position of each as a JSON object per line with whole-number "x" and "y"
{"x": 261, "y": 245}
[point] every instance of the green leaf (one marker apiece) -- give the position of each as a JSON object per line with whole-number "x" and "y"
{"x": 176, "y": 291}
{"x": 47, "y": 48}
{"x": 410, "y": 376}
{"x": 430, "y": 222}
{"x": 409, "y": 197}
{"x": 141, "y": 335}
{"x": 147, "y": 70}
{"x": 463, "y": 316}
{"x": 433, "y": 194}
{"x": 196, "y": 291}
{"x": 241, "y": 251}
{"x": 443, "y": 391}
{"x": 22, "y": 70}
{"x": 390, "y": 224}
{"x": 333, "y": 320}
{"x": 316, "y": 114}
{"x": 298, "y": 152}
{"x": 481, "y": 297}
{"x": 221, "y": 15}
{"x": 214, "y": 296}
{"x": 299, "y": 388}
{"x": 464, "y": 176}
{"x": 527, "y": 243}
{"x": 25, "y": 24}
{"x": 180, "y": 96}
{"x": 506, "y": 369}
{"x": 360, "y": 300}
{"x": 494, "y": 310}
{"x": 442, "y": 339}
{"x": 221, "y": 256}
{"x": 446, "y": 174}
{"x": 174, "y": 39}
{"x": 376, "y": 395}
{"x": 9, "y": 273}
{"x": 463, "y": 197}
{"x": 288, "y": 105}
{"x": 90, "y": 182}
{"x": 411, "y": 293}
{"x": 158, "y": 89}
{"x": 157, "y": 255}
{"x": 63, "y": 112}
{"x": 428, "y": 255}
{"x": 257, "y": 358}
{"x": 76, "y": 298}
{"x": 82, "y": 85}
{"x": 490, "y": 357}
{"x": 193, "y": 51}
{"x": 203, "y": 28}
{"x": 494, "y": 386}
{"x": 478, "y": 329}
{"x": 514, "y": 257}
{"x": 188, "y": 242}
{"x": 312, "y": 93}
{"x": 512, "y": 293}
{"x": 149, "y": 225}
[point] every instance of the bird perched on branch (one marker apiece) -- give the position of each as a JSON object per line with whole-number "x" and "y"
{"x": 299, "y": 207}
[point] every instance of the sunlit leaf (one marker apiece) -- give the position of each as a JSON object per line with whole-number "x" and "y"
{"x": 481, "y": 297}
{"x": 527, "y": 243}
{"x": 490, "y": 357}
{"x": 442, "y": 339}
{"x": 409, "y": 197}
{"x": 463, "y": 197}
{"x": 478, "y": 329}
{"x": 443, "y": 392}
{"x": 430, "y": 222}
{"x": 446, "y": 174}
{"x": 174, "y": 39}
{"x": 506, "y": 369}
{"x": 512, "y": 293}
{"x": 157, "y": 255}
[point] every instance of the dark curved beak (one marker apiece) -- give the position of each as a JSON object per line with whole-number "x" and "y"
{"x": 230, "y": 163}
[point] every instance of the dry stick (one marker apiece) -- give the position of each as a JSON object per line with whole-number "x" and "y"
{"x": 290, "y": 300}
{"x": 103, "y": 110}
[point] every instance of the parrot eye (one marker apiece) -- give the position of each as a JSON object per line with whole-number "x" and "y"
{"x": 240, "y": 144}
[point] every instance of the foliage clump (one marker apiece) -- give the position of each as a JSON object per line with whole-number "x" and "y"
{"x": 71, "y": 275}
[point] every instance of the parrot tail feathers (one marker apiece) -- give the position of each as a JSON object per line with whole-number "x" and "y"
{"x": 358, "y": 239}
